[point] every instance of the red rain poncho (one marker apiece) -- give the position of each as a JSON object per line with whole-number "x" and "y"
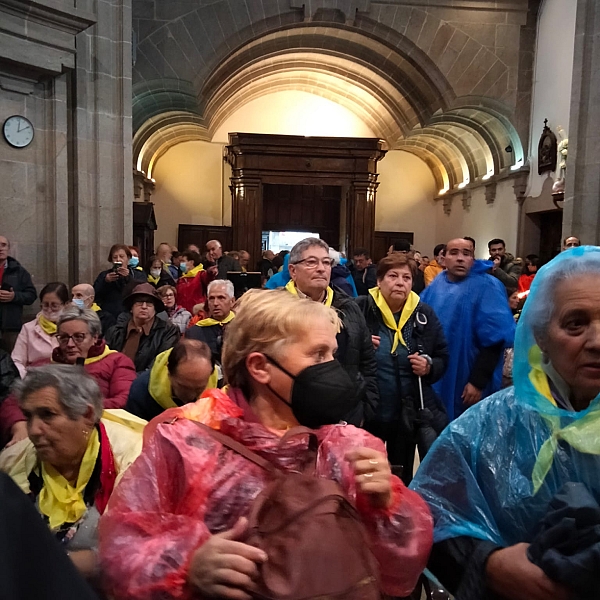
{"x": 186, "y": 486}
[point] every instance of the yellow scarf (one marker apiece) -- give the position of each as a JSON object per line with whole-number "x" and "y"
{"x": 105, "y": 353}
{"x": 153, "y": 280}
{"x": 581, "y": 434}
{"x": 47, "y": 326}
{"x": 159, "y": 386}
{"x": 59, "y": 500}
{"x": 291, "y": 287}
{"x": 388, "y": 317}
{"x": 210, "y": 322}
{"x": 193, "y": 272}
{"x": 95, "y": 307}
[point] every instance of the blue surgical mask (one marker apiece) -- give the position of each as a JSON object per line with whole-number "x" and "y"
{"x": 183, "y": 267}
{"x": 134, "y": 261}
{"x": 79, "y": 302}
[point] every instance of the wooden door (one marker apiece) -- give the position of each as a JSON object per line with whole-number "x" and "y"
{"x": 550, "y": 234}
{"x": 382, "y": 240}
{"x": 310, "y": 208}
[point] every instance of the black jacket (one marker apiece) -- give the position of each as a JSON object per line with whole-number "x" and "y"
{"x": 110, "y": 295}
{"x": 8, "y": 374}
{"x": 356, "y": 353}
{"x": 428, "y": 339}
{"x": 227, "y": 263}
{"x": 162, "y": 337}
{"x": 140, "y": 402}
{"x": 106, "y": 320}
{"x": 364, "y": 280}
{"x": 211, "y": 335}
{"x": 33, "y": 565}
{"x": 17, "y": 278}
{"x": 165, "y": 279}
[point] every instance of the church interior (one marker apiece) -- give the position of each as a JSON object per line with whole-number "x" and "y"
{"x": 361, "y": 121}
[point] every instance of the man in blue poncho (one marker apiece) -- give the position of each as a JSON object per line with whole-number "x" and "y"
{"x": 477, "y": 322}
{"x": 490, "y": 477}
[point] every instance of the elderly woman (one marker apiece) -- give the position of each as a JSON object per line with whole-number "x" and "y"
{"x": 37, "y": 339}
{"x": 188, "y": 551}
{"x": 411, "y": 354}
{"x": 111, "y": 284}
{"x": 143, "y": 336}
{"x": 73, "y": 457}
{"x": 177, "y": 314}
{"x": 493, "y": 472}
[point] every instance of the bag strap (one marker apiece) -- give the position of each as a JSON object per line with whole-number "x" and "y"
{"x": 237, "y": 447}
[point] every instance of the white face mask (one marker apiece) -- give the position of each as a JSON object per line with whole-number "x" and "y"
{"x": 52, "y": 315}
{"x": 155, "y": 272}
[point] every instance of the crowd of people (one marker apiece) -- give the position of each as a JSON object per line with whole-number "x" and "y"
{"x": 333, "y": 434}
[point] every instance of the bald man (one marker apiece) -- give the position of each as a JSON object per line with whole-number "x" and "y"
{"x": 473, "y": 309}
{"x": 83, "y": 296}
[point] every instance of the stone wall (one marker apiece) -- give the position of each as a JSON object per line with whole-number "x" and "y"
{"x": 66, "y": 198}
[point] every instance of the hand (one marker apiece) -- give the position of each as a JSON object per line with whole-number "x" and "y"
{"x": 111, "y": 277}
{"x": 376, "y": 339}
{"x": 19, "y": 432}
{"x": 471, "y": 395}
{"x": 511, "y": 575}
{"x": 372, "y": 475}
{"x": 419, "y": 364}
{"x": 123, "y": 272}
{"x": 214, "y": 270}
{"x": 497, "y": 260}
{"x": 7, "y": 296}
{"x": 226, "y": 568}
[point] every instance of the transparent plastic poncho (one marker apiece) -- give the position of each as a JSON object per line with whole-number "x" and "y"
{"x": 493, "y": 471}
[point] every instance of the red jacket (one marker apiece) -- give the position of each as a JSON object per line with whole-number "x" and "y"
{"x": 192, "y": 290}
{"x": 114, "y": 374}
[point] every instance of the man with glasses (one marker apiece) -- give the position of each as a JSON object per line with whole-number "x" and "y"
{"x": 310, "y": 272}
{"x": 83, "y": 296}
{"x": 477, "y": 322}
{"x": 16, "y": 291}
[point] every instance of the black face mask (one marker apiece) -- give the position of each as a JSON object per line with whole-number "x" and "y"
{"x": 322, "y": 394}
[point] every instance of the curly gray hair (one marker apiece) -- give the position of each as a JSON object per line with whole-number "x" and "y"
{"x": 77, "y": 391}
{"x": 303, "y": 245}
{"x": 87, "y": 315}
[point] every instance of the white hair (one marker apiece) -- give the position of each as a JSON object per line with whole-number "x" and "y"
{"x": 228, "y": 285}
{"x": 76, "y": 390}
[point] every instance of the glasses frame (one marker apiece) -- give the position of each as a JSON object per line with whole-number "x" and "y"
{"x": 328, "y": 264}
{"x": 65, "y": 342}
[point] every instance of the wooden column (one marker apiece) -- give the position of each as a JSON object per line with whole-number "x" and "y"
{"x": 361, "y": 214}
{"x": 247, "y": 216}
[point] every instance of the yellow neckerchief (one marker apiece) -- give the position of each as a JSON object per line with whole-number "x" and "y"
{"x": 291, "y": 287}
{"x": 159, "y": 385}
{"x": 388, "y": 317}
{"x": 581, "y": 434}
{"x": 95, "y": 307}
{"x": 193, "y": 272}
{"x": 153, "y": 280}
{"x": 105, "y": 353}
{"x": 59, "y": 500}
{"x": 47, "y": 326}
{"x": 210, "y": 322}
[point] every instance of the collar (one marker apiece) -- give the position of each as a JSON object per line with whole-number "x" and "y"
{"x": 145, "y": 328}
{"x": 193, "y": 272}
{"x": 291, "y": 287}
{"x": 209, "y": 322}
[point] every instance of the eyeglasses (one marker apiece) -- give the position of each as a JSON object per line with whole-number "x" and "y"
{"x": 142, "y": 302}
{"x": 168, "y": 296}
{"x": 78, "y": 338}
{"x": 313, "y": 262}
{"x": 51, "y": 306}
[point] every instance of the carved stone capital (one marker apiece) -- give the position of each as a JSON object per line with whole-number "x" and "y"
{"x": 490, "y": 193}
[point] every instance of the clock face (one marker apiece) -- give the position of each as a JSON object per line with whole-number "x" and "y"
{"x": 18, "y": 131}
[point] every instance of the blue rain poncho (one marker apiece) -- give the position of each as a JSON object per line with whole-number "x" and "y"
{"x": 475, "y": 314}
{"x": 493, "y": 471}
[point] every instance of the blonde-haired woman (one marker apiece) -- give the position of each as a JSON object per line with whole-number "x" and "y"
{"x": 278, "y": 360}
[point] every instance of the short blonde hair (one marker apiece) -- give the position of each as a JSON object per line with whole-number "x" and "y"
{"x": 266, "y": 320}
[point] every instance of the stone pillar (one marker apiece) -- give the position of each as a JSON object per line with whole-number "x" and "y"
{"x": 102, "y": 138}
{"x": 360, "y": 210}
{"x": 582, "y": 195}
{"x": 247, "y": 215}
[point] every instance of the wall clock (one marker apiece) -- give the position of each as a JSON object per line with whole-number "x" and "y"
{"x": 18, "y": 131}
